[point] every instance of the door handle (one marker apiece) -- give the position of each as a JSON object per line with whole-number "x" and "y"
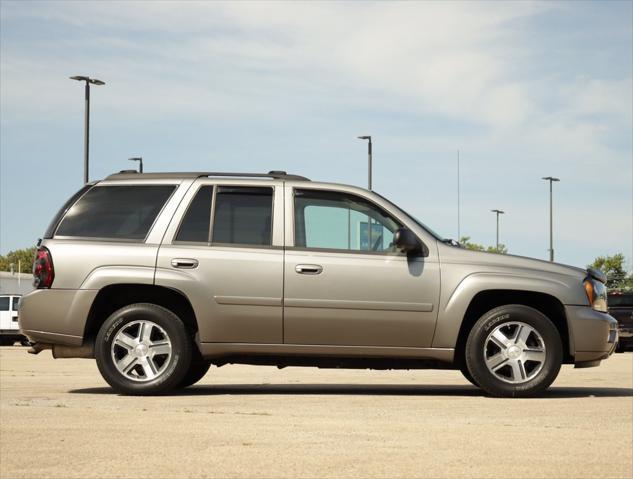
{"x": 308, "y": 269}
{"x": 185, "y": 263}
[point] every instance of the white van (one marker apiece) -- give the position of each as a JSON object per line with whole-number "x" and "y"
{"x": 9, "y": 329}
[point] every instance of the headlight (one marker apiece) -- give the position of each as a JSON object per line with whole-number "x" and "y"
{"x": 597, "y": 294}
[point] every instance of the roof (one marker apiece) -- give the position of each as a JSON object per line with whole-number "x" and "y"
{"x": 134, "y": 175}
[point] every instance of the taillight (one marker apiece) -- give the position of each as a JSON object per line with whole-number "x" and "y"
{"x": 43, "y": 271}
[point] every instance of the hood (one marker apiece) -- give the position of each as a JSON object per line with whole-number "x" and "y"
{"x": 457, "y": 255}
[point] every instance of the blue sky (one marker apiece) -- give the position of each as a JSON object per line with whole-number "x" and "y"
{"x": 522, "y": 89}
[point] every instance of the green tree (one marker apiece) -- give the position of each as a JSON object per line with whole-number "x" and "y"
{"x": 613, "y": 267}
{"x": 23, "y": 257}
{"x": 466, "y": 243}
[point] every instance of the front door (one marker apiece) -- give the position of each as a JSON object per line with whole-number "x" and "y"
{"x": 345, "y": 283}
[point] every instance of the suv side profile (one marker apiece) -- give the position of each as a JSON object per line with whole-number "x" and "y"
{"x": 160, "y": 275}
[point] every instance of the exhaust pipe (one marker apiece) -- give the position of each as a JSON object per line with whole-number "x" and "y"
{"x": 63, "y": 352}
{"x": 37, "y": 348}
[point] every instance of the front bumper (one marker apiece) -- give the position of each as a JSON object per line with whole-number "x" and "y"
{"x": 593, "y": 335}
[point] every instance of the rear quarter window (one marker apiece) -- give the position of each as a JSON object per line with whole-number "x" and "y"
{"x": 121, "y": 212}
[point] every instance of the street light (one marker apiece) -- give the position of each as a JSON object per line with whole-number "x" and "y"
{"x": 368, "y": 137}
{"x": 88, "y": 81}
{"x": 498, "y": 212}
{"x": 140, "y": 160}
{"x": 551, "y": 180}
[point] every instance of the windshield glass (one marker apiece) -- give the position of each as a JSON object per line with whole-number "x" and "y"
{"x": 413, "y": 218}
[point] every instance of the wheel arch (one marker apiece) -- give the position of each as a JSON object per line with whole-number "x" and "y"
{"x": 115, "y": 296}
{"x": 486, "y": 300}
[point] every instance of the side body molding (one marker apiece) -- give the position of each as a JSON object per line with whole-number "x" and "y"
{"x": 455, "y": 299}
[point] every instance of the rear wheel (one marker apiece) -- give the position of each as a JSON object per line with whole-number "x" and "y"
{"x": 196, "y": 372}
{"x": 143, "y": 349}
{"x": 514, "y": 351}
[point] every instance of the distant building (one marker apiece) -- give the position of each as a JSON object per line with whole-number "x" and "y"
{"x": 15, "y": 283}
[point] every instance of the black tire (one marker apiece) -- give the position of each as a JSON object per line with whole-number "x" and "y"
{"x": 173, "y": 368}
{"x": 509, "y": 317}
{"x": 468, "y": 376}
{"x": 197, "y": 369}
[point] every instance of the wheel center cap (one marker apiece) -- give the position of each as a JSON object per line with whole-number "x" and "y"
{"x": 140, "y": 350}
{"x": 514, "y": 352}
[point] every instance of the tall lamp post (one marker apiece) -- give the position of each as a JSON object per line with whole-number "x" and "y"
{"x": 551, "y": 180}
{"x": 368, "y": 137}
{"x": 140, "y": 161}
{"x": 88, "y": 81}
{"x": 498, "y": 212}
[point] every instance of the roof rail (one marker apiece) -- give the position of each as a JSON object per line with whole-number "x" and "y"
{"x": 274, "y": 174}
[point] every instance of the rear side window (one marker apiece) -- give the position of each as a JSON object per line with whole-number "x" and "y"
{"x": 243, "y": 215}
{"x": 115, "y": 212}
{"x": 4, "y": 303}
{"x": 195, "y": 224}
{"x": 50, "y": 231}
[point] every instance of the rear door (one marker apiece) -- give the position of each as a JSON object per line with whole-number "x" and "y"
{"x": 345, "y": 284}
{"x": 15, "y": 304}
{"x": 224, "y": 251}
{"x": 5, "y": 312}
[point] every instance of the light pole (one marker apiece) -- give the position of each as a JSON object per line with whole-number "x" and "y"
{"x": 498, "y": 212}
{"x": 88, "y": 81}
{"x": 368, "y": 137}
{"x": 551, "y": 180}
{"x": 140, "y": 160}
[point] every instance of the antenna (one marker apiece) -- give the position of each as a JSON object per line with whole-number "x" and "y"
{"x": 458, "y": 212}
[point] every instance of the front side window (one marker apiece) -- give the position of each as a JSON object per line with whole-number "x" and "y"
{"x": 16, "y": 303}
{"x": 115, "y": 212}
{"x": 243, "y": 215}
{"x": 331, "y": 220}
{"x": 4, "y": 303}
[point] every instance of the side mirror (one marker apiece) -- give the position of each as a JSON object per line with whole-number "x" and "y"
{"x": 406, "y": 241}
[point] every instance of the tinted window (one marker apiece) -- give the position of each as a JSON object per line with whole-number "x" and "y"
{"x": 195, "y": 224}
{"x": 16, "y": 302}
{"x": 53, "y": 225}
{"x": 243, "y": 216}
{"x": 341, "y": 221}
{"x": 118, "y": 212}
{"x": 620, "y": 300}
{"x": 4, "y": 303}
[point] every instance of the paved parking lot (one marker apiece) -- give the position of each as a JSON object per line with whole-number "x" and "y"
{"x": 60, "y": 420}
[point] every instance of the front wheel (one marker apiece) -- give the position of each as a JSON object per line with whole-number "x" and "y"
{"x": 514, "y": 351}
{"x": 143, "y": 349}
{"x": 196, "y": 372}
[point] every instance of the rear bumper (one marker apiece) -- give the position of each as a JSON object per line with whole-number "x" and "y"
{"x": 593, "y": 335}
{"x": 55, "y": 316}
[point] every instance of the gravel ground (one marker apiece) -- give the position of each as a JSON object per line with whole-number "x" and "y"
{"x": 58, "y": 419}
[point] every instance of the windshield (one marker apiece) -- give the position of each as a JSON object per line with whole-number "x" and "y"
{"x": 412, "y": 218}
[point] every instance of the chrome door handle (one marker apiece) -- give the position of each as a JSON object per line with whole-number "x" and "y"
{"x": 185, "y": 263}
{"x": 308, "y": 269}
